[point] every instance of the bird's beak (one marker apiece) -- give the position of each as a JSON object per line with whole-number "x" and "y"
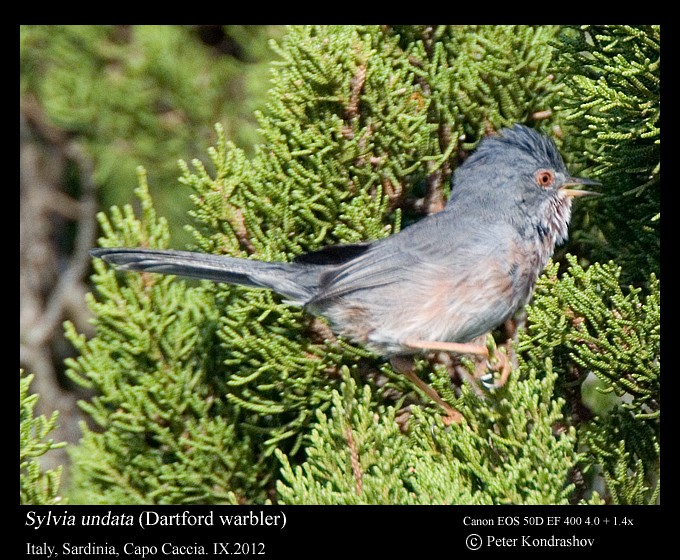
{"x": 571, "y": 182}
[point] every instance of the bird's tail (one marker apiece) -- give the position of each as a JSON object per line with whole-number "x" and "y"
{"x": 295, "y": 281}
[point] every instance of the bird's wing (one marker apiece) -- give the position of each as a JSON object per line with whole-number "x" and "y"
{"x": 435, "y": 256}
{"x": 333, "y": 254}
{"x": 391, "y": 260}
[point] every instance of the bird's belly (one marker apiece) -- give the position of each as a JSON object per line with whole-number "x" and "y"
{"x": 445, "y": 312}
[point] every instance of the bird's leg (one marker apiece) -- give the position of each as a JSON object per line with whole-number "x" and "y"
{"x": 404, "y": 365}
{"x": 453, "y": 347}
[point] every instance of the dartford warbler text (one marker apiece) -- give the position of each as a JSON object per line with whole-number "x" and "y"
{"x": 149, "y": 518}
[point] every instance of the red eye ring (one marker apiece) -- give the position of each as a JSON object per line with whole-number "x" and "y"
{"x": 544, "y": 178}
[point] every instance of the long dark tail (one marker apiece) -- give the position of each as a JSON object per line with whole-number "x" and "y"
{"x": 296, "y": 281}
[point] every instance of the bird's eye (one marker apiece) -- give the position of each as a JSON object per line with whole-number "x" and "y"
{"x": 544, "y": 178}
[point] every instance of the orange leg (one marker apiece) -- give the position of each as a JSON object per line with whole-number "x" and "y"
{"x": 455, "y": 347}
{"x": 404, "y": 366}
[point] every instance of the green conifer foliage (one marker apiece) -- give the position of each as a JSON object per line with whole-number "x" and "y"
{"x": 586, "y": 323}
{"x": 355, "y": 456}
{"x": 612, "y": 104}
{"x": 506, "y": 453}
{"x": 166, "y": 435}
{"x": 213, "y": 393}
{"x": 37, "y": 487}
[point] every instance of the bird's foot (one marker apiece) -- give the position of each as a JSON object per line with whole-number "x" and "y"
{"x": 497, "y": 361}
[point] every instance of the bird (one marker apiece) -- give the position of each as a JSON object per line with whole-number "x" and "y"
{"x": 434, "y": 286}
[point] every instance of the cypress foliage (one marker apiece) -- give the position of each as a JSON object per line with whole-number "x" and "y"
{"x": 219, "y": 394}
{"x": 612, "y": 103}
{"x": 586, "y": 323}
{"x": 505, "y": 453}
{"x": 36, "y": 486}
{"x": 355, "y": 456}
{"x": 165, "y": 436}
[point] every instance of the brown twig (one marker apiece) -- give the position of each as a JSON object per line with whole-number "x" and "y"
{"x": 351, "y": 110}
{"x": 354, "y": 460}
{"x": 357, "y": 83}
{"x": 238, "y": 223}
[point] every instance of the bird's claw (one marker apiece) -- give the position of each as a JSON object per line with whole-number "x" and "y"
{"x": 497, "y": 362}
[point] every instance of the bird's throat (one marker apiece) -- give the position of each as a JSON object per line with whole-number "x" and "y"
{"x": 551, "y": 227}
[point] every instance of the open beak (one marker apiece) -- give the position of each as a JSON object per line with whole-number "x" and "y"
{"x": 571, "y": 187}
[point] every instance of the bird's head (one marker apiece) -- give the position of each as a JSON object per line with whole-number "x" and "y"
{"x": 519, "y": 176}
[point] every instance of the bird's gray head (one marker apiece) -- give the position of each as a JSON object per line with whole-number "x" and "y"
{"x": 519, "y": 176}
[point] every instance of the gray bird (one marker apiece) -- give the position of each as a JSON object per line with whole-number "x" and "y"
{"x": 436, "y": 285}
